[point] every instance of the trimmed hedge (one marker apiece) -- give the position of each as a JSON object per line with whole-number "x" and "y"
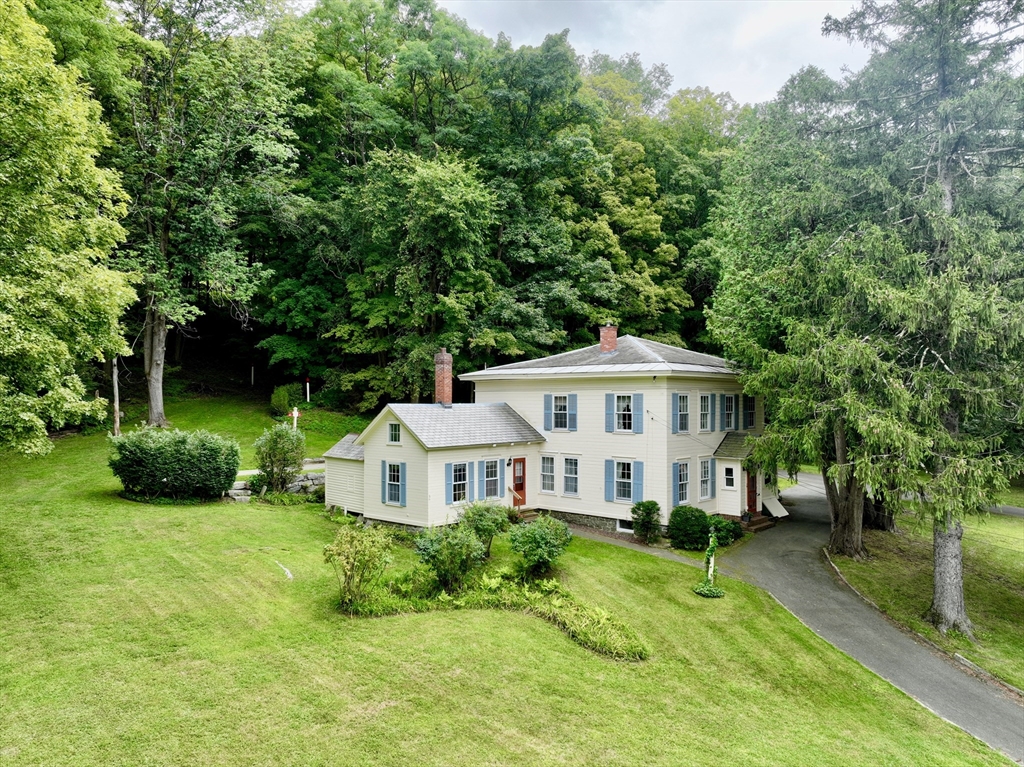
{"x": 170, "y": 463}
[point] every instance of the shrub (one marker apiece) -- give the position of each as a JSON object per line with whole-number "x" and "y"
{"x": 541, "y": 542}
{"x": 688, "y": 528}
{"x": 486, "y": 519}
{"x": 726, "y": 530}
{"x": 451, "y": 552}
{"x": 279, "y": 454}
{"x": 359, "y": 556}
{"x": 284, "y": 397}
{"x": 646, "y": 521}
{"x": 170, "y": 463}
{"x": 317, "y": 495}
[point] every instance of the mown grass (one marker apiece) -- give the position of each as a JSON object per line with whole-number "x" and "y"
{"x": 135, "y": 634}
{"x": 898, "y": 578}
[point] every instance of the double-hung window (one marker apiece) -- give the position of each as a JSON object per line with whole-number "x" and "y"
{"x": 730, "y": 476}
{"x": 729, "y": 411}
{"x": 683, "y": 480}
{"x": 547, "y": 473}
{"x": 705, "y": 412}
{"x": 394, "y": 483}
{"x": 490, "y": 479}
{"x": 394, "y": 433}
{"x": 623, "y": 481}
{"x": 571, "y": 476}
{"x": 460, "y": 482}
{"x": 624, "y": 412}
{"x": 683, "y": 414}
{"x": 561, "y": 411}
{"x": 749, "y": 412}
{"x": 705, "y": 479}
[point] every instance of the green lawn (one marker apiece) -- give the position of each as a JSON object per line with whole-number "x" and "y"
{"x": 169, "y": 635}
{"x": 898, "y": 578}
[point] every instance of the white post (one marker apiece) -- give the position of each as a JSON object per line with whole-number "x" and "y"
{"x": 307, "y": 390}
{"x": 295, "y": 419}
{"x": 252, "y": 376}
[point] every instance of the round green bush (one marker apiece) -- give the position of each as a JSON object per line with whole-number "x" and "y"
{"x": 451, "y": 552}
{"x": 646, "y": 521}
{"x": 541, "y": 542}
{"x": 688, "y": 528}
{"x": 170, "y": 463}
{"x": 726, "y": 530}
{"x": 487, "y": 519}
{"x": 279, "y": 454}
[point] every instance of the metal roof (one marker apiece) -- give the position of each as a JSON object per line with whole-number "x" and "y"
{"x": 346, "y": 449}
{"x": 465, "y": 425}
{"x": 632, "y": 355}
{"x": 734, "y": 446}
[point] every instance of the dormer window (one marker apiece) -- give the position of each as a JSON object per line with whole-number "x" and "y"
{"x": 394, "y": 434}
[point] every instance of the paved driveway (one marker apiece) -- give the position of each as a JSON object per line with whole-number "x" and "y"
{"x": 786, "y": 561}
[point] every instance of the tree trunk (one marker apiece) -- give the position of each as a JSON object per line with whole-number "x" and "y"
{"x": 845, "y": 502}
{"x": 878, "y": 514}
{"x": 948, "y": 610}
{"x": 155, "y": 344}
{"x": 117, "y": 399}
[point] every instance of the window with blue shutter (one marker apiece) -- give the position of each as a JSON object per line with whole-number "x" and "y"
{"x": 470, "y": 487}
{"x": 638, "y": 413}
{"x": 572, "y": 412}
{"x": 383, "y": 481}
{"x": 638, "y": 481}
{"x": 401, "y": 482}
{"x": 722, "y": 423}
{"x": 675, "y": 418}
{"x": 713, "y": 397}
{"x": 609, "y": 412}
{"x": 674, "y": 481}
{"x": 448, "y": 499}
{"x": 547, "y": 412}
{"x": 609, "y": 481}
{"x": 482, "y": 487}
{"x": 501, "y": 479}
{"x": 714, "y": 471}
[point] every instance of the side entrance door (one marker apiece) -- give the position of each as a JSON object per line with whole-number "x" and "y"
{"x": 519, "y": 481}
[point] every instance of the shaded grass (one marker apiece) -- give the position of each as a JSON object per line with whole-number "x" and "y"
{"x": 898, "y": 578}
{"x": 135, "y": 634}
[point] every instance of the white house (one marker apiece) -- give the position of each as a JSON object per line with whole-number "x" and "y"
{"x": 584, "y": 435}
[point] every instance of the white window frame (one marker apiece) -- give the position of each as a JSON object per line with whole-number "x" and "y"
{"x": 729, "y": 474}
{"x": 392, "y": 427}
{"x": 394, "y": 484}
{"x": 752, "y": 410}
{"x": 464, "y": 482}
{"x": 683, "y": 482}
{"x": 730, "y": 415}
{"x": 705, "y": 412}
{"x": 555, "y": 412}
{"x": 566, "y": 476}
{"x": 620, "y": 526}
{"x": 629, "y": 481}
{"x": 621, "y": 415}
{"x": 682, "y": 413}
{"x": 547, "y": 475}
{"x": 705, "y": 479}
{"x": 488, "y": 465}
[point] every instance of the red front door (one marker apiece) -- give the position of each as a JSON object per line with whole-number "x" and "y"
{"x": 519, "y": 481}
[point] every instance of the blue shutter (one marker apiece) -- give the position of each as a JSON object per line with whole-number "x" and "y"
{"x": 675, "y": 415}
{"x": 572, "y": 412}
{"x": 470, "y": 487}
{"x": 638, "y": 481}
{"x": 609, "y": 480}
{"x": 638, "y": 413}
{"x": 448, "y": 495}
{"x": 482, "y": 479}
{"x": 401, "y": 484}
{"x": 547, "y": 412}
{"x": 609, "y": 412}
{"x": 711, "y": 412}
{"x": 674, "y": 480}
{"x": 383, "y": 481}
{"x": 501, "y": 478}
{"x": 743, "y": 411}
{"x": 714, "y": 477}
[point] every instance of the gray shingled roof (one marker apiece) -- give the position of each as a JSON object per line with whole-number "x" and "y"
{"x": 346, "y": 449}
{"x": 466, "y": 425}
{"x": 734, "y": 446}
{"x": 632, "y": 355}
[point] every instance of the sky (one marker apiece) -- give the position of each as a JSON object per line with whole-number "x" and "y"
{"x": 746, "y": 47}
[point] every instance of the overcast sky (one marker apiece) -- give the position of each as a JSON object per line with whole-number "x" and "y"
{"x": 746, "y": 47}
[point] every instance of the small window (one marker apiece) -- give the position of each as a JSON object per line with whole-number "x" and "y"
{"x": 623, "y": 481}
{"x": 394, "y": 433}
{"x": 749, "y": 412}
{"x": 571, "y": 476}
{"x": 547, "y": 473}
{"x": 730, "y": 476}
{"x": 459, "y": 482}
{"x": 683, "y": 479}
{"x": 683, "y": 415}
{"x": 624, "y": 412}
{"x": 729, "y": 406}
{"x": 705, "y": 412}
{"x": 705, "y": 479}
{"x": 490, "y": 479}
{"x": 561, "y": 411}
{"x": 394, "y": 483}
{"x": 623, "y": 525}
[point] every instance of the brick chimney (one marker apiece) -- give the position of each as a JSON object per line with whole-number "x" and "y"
{"x": 443, "y": 378}
{"x": 609, "y": 338}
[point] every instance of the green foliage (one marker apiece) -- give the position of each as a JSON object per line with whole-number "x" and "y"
{"x": 154, "y": 463}
{"x": 688, "y": 528}
{"x": 646, "y": 521}
{"x": 707, "y": 588}
{"x": 280, "y": 451}
{"x": 359, "y": 556}
{"x": 726, "y": 530}
{"x": 486, "y": 519}
{"x": 540, "y": 542}
{"x": 452, "y": 552}
{"x": 284, "y": 397}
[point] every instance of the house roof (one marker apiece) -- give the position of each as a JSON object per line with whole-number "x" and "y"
{"x": 632, "y": 355}
{"x": 734, "y": 446}
{"x": 465, "y": 425}
{"x": 347, "y": 448}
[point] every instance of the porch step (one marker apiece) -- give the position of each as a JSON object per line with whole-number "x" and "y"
{"x": 528, "y": 516}
{"x": 757, "y": 524}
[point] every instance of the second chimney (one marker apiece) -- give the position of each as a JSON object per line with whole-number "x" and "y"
{"x": 443, "y": 378}
{"x": 609, "y": 338}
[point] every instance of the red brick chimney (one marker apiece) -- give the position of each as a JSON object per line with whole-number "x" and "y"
{"x": 443, "y": 378}
{"x": 609, "y": 338}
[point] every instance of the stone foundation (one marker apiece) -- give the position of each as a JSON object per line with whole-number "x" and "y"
{"x": 604, "y": 524}
{"x": 303, "y": 483}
